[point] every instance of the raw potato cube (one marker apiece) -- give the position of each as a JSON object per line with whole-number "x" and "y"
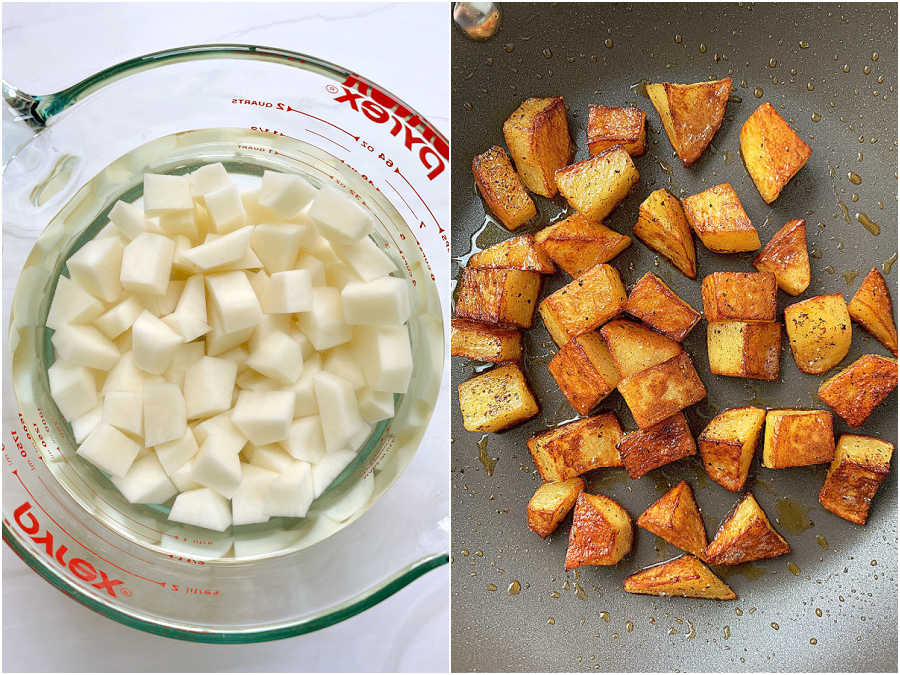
{"x": 324, "y": 325}
{"x": 154, "y": 343}
{"x": 662, "y": 390}
{"x": 234, "y": 301}
{"x": 264, "y": 416}
{"x": 288, "y": 292}
{"x": 719, "y": 219}
{"x": 498, "y": 296}
{"x": 744, "y": 349}
{"x": 277, "y": 356}
{"x": 292, "y": 492}
{"x": 518, "y": 253}
{"x": 744, "y": 536}
{"x": 249, "y": 503}
{"x": 385, "y": 355}
{"x": 125, "y": 411}
{"x": 860, "y": 464}
{"x": 124, "y": 376}
{"x": 338, "y": 411}
{"x": 344, "y": 361}
{"x": 601, "y": 532}
{"x": 165, "y": 194}
{"x": 634, "y": 347}
{"x": 584, "y": 371}
{"x": 375, "y": 406}
{"x": 338, "y": 217}
{"x": 146, "y": 482}
{"x": 72, "y": 304}
{"x": 382, "y": 302}
{"x": 225, "y": 209}
{"x": 182, "y": 223}
{"x": 208, "y": 386}
{"x": 73, "y": 388}
{"x": 496, "y": 400}
{"x": 819, "y": 332}
{"x": 550, "y": 504}
{"x": 481, "y": 342}
{"x": 129, "y": 220}
{"x": 797, "y": 438}
{"x": 871, "y": 308}
{"x": 365, "y": 257}
{"x": 854, "y": 392}
{"x": 120, "y": 318}
{"x": 691, "y": 113}
{"x": 786, "y": 257}
{"x": 84, "y": 425}
{"x": 96, "y": 267}
{"x": 189, "y": 318}
{"x": 575, "y": 448}
{"x": 284, "y": 193}
{"x": 202, "y": 507}
{"x": 147, "y": 264}
{"x": 165, "y": 413}
{"x": 217, "y": 465}
{"x": 652, "y": 447}
{"x": 739, "y": 296}
{"x": 271, "y": 457}
{"x": 595, "y": 186}
{"x": 278, "y": 246}
{"x": 585, "y": 303}
{"x": 684, "y": 577}
{"x": 676, "y": 518}
{"x": 175, "y": 454}
{"x": 657, "y": 305}
{"x": 772, "y": 151}
{"x": 728, "y": 443}
{"x": 306, "y": 441}
{"x": 501, "y": 189}
{"x": 109, "y": 450}
{"x": 537, "y": 136}
{"x": 84, "y": 346}
{"x": 208, "y": 178}
{"x": 577, "y": 244}
{"x": 220, "y": 252}
{"x": 616, "y": 126}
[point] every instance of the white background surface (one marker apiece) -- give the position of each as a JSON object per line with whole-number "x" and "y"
{"x": 405, "y": 48}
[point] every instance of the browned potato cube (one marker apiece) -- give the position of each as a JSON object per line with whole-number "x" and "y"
{"x": 537, "y": 136}
{"x": 616, "y": 126}
{"x": 572, "y": 449}
{"x": 584, "y": 371}
{"x": 745, "y": 535}
{"x": 634, "y": 347}
{"x": 744, "y": 349}
{"x": 501, "y": 188}
{"x": 550, "y": 504}
{"x": 655, "y": 446}
{"x": 855, "y": 391}
{"x": 661, "y": 391}
{"x": 691, "y": 113}
{"x": 595, "y": 186}
{"x": 819, "y": 332}
{"x": 577, "y": 244}
{"x": 585, "y": 303}
{"x": 728, "y": 443}
{"x": 684, "y": 577}
{"x": 719, "y": 219}
{"x": 601, "y": 532}
{"x": 658, "y": 306}
{"x": 860, "y": 464}
{"x": 505, "y": 297}
{"x": 676, "y": 518}
{"x": 518, "y": 253}
{"x": 871, "y": 308}
{"x": 772, "y": 151}
{"x": 739, "y": 296}
{"x": 786, "y": 257}
{"x": 798, "y": 438}
{"x": 662, "y": 226}
{"x": 481, "y": 342}
{"x": 496, "y": 400}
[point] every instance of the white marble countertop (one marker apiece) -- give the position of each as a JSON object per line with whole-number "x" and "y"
{"x": 402, "y": 47}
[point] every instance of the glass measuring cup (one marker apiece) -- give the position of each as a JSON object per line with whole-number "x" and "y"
{"x": 130, "y": 563}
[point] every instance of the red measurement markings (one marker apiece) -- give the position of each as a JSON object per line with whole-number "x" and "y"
{"x": 403, "y": 199}
{"x": 324, "y": 121}
{"x": 316, "y": 133}
{"x": 440, "y": 229}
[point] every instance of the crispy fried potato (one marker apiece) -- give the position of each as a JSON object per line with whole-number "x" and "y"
{"x": 683, "y": 577}
{"x": 601, "y": 532}
{"x": 739, "y": 296}
{"x": 550, "y": 504}
{"x": 580, "y": 306}
{"x": 657, "y": 305}
{"x": 860, "y": 464}
{"x": 500, "y": 187}
{"x": 663, "y": 443}
{"x": 854, "y": 392}
{"x": 871, "y": 308}
{"x": 537, "y": 136}
{"x": 498, "y": 296}
{"x": 496, "y": 400}
{"x": 616, "y": 126}
{"x": 786, "y": 257}
{"x": 676, "y": 518}
{"x": 744, "y": 536}
{"x": 595, "y": 186}
{"x": 819, "y": 332}
{"x": 518, "y": 253}
{"x": 634, "y": 347}
{"x": 662, "y": 390}
{"x": 728, "y": 443}
{"x": 584, "y": 371}
{"x": 482, "y": 342}
{"x": 744, "y": 349}
{"x": 662, "y": 226}
{"x": 691, "y": 113}
{"x": 772, "y": 151}
{"x": 798, "y": 438}
{"x": 572, "y": 449}
{"x": 577, "y": 244}
{"x": 719, "y": 219}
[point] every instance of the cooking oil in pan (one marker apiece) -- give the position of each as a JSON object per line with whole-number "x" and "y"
{"x": 486, "y": 460}
{"x": 793, "y": 515}
{"x": 869, "y": 224}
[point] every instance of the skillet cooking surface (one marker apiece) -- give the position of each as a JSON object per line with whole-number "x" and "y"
{"x": 583, "y": 620}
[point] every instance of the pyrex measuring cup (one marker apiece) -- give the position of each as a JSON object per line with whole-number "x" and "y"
{"x": 78, "y": 151}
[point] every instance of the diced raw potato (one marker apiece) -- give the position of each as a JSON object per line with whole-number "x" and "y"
{"x": 124, "y": 376}
{"x": 249, "y": 502}
{"x": 72, "y": 304}
{"x": 129, "y": 220}
{"x": 325, "y": 472}
{"x": 147, "y": 264}
{"x": 271, "y": 457}
{"x": 288, "y": 292}
{"x": 175, "y": 454}
{"x": 314, "y": 266}
{"x": 208, "y": 385}
{"x": 225, "y": 209}
{"x": 291, "y": 493}
{"x": 304, "y": 391}
{"x": 182, "y": 223}
{"x": 208, "y": 178}
{"x": 359, "y": 440}
{"x": 146, "y": 482}
{"x": 180, "y": 264}
{"x": 161, "y": 305}
{"x": 120, "y": 318}
{"x": 96, "y": 266}
{"x": 264, "y": 416}
{"x": 278, "y": 357}
{"x": 344, "y": 362}
{"x": 379, "y": 302}
{"x": 165, "y": 418}
{"x": 305, "y": 441}
{"x": 306, "y": 348}
{"x": 338, "y": 217}
{"x": 83, "y": 425}
{"x": 202, "y": 507}
{"x": 366, "y": 258}
{"x": 338, "y": 275}
{"x": 218, "y": 340}
{"x": 375, "y": 406}
{"x": 324, "y": 325}
{"x": 189, "y": 317}
{"x": 181, "y": 478}
{"x": 386, "y": 357}
{"x": 235, "y": 302}
{"x": 125, "y": 411}
{"x": 217, "y": 465}
{"x": 271, "y": 323}
{"x": 278, "y": 246}
{"x": 164, "y": 194}
{"x": 73, "y": 388}
{"x": 284, "y": 193}
{"x": 109, "y": 450}
{"x": 85, "y": 346}
{"x": 253, "y": 381}
{"x": 221, "y": 251}
{"x": 339, "y": 412}
{"x": 353, "y": 501}
{"x": 154, "y": 343}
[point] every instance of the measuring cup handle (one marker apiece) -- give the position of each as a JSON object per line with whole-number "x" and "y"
{"x": 24, "y": 107}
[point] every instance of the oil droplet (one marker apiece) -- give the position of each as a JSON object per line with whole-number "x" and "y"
{"x": 775, "y": 625}
{"x": 702, "y": 48}
{"x": 551, "y": 621}
{"x": 491, "y": 587}
{"x": 608, "y": 43}
{"x": 818, "y": 612}
{"x": 467, "y": 107}
{"x": 671, "y": 631}
{"x": 793, "y": 515}
{"x": 841, "y": 598}
{"x": 579, "y": 592}
{"x": 772, "y": 63}
{"x": 680, "y": 622}
{"x": 829, "y": 269}
{"x": 874, "y": 563}
{"x": 816, "y": 117}
{"x": 554, "y": 594}
{"x": 652, "y": 619}
{"x": 744, "y": 84}
{"x": 515, "y": 587}
{"x": 640, "y": 88}
{"x": 758, "y": 92}
{"x": 869, "y": 224}
{"x": 867, "y": 70}
{"x": 480, "y": 554}
{"x": 793, "y": 71}
{"x": 739, "y": 611}
{"x": 810, "y": 86}
{"x": 861, "y": 139}
{"x": 844, "y": 212}
{"x": 726, "y": 632}
{"x": 509, "y": 47}
{"x": 854, "y": 197}
{"x": 547, "y": 53}
{"x": 629, "y": 626}
{"x": 874, "y": 56}
{"x": 794, "y": 569}
{"x": 804, "y": 44}
{"x": 486, "y": 460}
{"x": 859, "y": 156}
{"x": 615, "y": 636}
{"x": 813, "y": 641}
{"x": 465, "y": 552}
{"x": 605, "y": 616}
{"x": 823, "y": 542}
{"x": 691, "y": 634}
{"x": 854, "y": 178}
{"x": 888, "y": 264}
{"x": 566, "y": 585}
